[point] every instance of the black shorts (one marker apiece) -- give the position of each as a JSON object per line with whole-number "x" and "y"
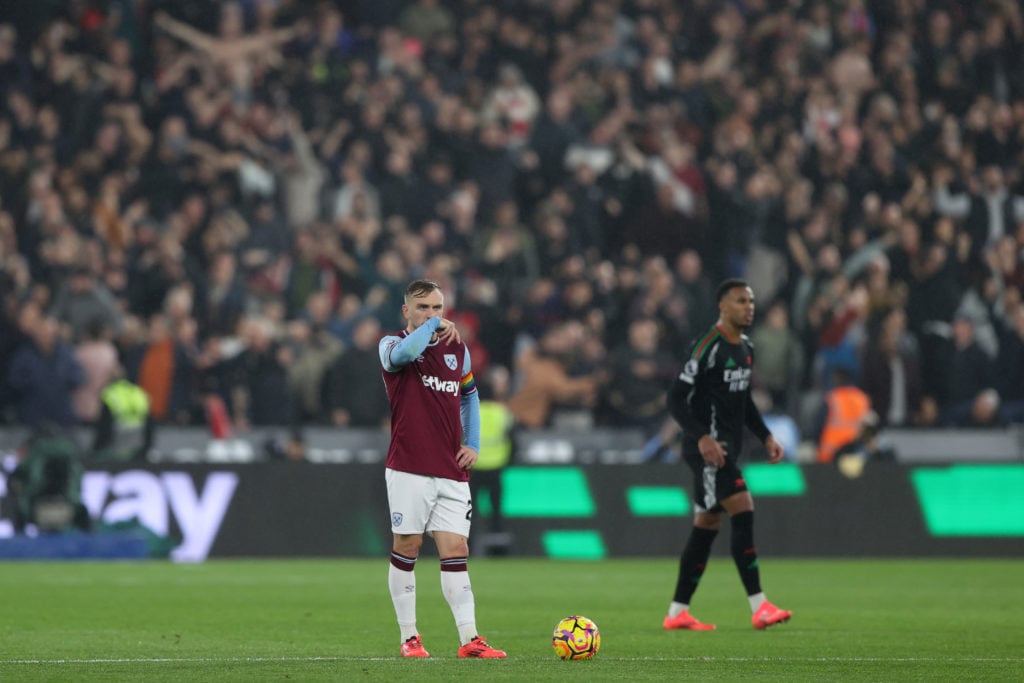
{"x": 713, "y": 484}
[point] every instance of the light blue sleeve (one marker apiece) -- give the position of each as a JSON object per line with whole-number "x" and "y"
{"x": 398, "y": 351}
{"x": 469, "y": 410}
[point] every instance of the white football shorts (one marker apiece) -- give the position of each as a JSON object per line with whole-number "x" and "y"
{"x": 421, "y": 504}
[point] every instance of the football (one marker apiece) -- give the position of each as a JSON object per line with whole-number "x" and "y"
{"x": 576, "y": 637}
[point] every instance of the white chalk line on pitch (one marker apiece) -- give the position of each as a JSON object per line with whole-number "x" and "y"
{"x": 708, "y": 660}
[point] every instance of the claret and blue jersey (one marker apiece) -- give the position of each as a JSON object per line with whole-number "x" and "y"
{"x": 433, "y": 394}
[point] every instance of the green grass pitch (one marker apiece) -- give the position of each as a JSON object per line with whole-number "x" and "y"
{"x": 331, "y": 620}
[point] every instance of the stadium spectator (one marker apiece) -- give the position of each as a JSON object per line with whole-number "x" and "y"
{"x": 468, "y": 323}
{"x": 496, "y": 332}
{"x": 304, "y": 176}
{"x": 149, "y": 147}
{"x": 313, "y": 350}
{"x": 554, "y": 132}
{"x": 493, "y": 166}
{"x": 988, "y": 213}
{"x": 82, "y": 302}
{"x": 507, "y": 253}
{"x": 985, "y": 411}
{"x": 235, "y": 55}
{"x": 43, "y": 372}
{"x": 426, "y": 20}
{"x": 1010, "y": 365}
{"x": 98, "y": 357}
{"x": 356, "y": 195}
{"x": 513, "y": 103}
{"x": 543, "y": 380}
{"x": 639, "y": 374}
{"x": 223, "y": 300}
{"x": 970, "y": 372}
{"x": 659, "y": 298}
{"x": 779, "y": 366}
{"x": 355, "y": 397}
{"x": 697, "y": 288}
{"x": 892, "y": 374}
{"x": 259, "y": 391}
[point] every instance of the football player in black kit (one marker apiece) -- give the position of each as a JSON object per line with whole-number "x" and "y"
{"x": 711, "y": 401}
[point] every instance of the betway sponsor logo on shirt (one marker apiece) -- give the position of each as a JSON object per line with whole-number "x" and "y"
{"x": 447, "y": 386}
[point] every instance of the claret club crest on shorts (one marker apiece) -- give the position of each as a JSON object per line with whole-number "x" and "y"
{"x": 396, "y": 519}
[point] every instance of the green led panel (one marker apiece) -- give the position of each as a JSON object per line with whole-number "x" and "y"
{"x": 782, "y": 479}
{"x": 368, "y": 534}
{"x": 657, "y": 501}
{"x": 546, "y": 492}
{"x": 971, "y": 500}
{"x": 586, "y": 544}
{"x": 482, "y": 505}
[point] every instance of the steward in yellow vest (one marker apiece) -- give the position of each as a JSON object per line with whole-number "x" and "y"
{"x": 496, "y": 449}
{"x": 125, "y": 428}
{"x": 496, "y": 424}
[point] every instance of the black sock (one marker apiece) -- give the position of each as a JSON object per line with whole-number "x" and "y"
{"x": 692, "y": 562}
{"x": 743, "y": 551}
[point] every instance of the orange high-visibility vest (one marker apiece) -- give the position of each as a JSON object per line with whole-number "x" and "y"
{"x": 847, "y": 407}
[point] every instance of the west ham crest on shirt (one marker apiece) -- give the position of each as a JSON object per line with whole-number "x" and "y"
{"x": 451, "y": 361}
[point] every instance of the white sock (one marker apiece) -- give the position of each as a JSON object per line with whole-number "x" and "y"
{"x": 459, "y": 594}
{"x": 756, "y": 600}
{"x": 403, "y": 594}
{"x": 677, "y": 608}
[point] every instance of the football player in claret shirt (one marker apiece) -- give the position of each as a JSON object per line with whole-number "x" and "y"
{"x": 711, "y": 400}
{"x": 435, "y": 439}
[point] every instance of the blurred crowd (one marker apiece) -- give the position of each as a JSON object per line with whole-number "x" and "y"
{"x": 223, "y": 201}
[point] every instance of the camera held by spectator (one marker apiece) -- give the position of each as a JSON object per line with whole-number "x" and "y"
{"x": 852, "y": 457}
{"x": 46, "y": 486}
